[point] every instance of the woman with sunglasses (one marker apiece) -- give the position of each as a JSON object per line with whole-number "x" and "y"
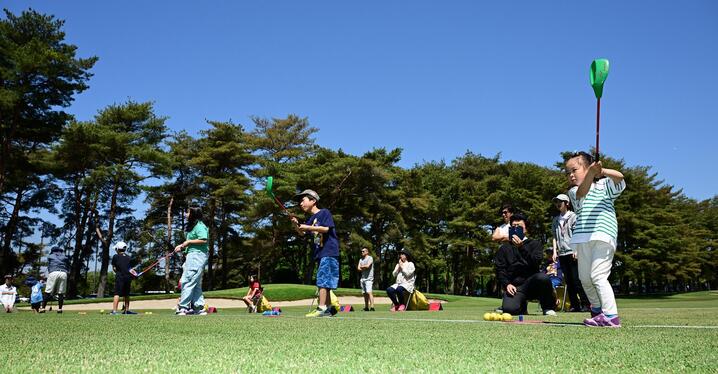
{"x": 501, "y": 233}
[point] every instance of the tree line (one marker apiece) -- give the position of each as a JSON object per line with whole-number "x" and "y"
{"x": 92, "y": 175}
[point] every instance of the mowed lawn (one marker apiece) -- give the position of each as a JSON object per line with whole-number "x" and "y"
{"x": 675, "y": 333}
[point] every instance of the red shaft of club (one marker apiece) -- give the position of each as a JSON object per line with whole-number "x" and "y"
{"x": 155, "y": 263}
{"x": 598, "y": 124}
{"x": 282, "y": 206}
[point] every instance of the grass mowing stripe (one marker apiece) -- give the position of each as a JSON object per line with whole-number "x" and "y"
{"x": 544, "y": 323}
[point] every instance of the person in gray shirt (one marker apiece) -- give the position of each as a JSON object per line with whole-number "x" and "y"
{"x": 366, "y": 267}
{"x": 58, "y": 265}
{"x": 562, "y": 229}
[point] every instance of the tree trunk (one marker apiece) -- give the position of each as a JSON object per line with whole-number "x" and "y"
{"x": 169, "y": 243}
{"x": 108, "y": 240}
{"x": 81, "y": 214}
{"x": 10, "y": 232}
{"x": 211, "y": 241}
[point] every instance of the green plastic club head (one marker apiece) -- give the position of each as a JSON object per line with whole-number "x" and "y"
{"x": 599, "y": 73}
{"x": 268, "y": 187}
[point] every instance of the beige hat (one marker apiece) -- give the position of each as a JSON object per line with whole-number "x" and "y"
{"x": 309, "y": 193}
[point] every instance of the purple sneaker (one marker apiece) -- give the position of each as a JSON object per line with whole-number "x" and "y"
{"x": 602, "y": 321}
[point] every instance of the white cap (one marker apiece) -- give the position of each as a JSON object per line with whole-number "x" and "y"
{"x": 120, "y": 246}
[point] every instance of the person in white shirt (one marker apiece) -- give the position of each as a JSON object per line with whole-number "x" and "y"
{"x": 8, "y": 294}
{"x": 501, "y": 233}
{"x": 405, "y": 274}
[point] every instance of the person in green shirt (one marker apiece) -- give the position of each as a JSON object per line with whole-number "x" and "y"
{"x": 195, "y": 249}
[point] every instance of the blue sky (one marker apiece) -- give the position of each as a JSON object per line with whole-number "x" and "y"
{"x": 434, "y": 78}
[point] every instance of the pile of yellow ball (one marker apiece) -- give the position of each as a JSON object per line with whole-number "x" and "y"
{"x": 497, "y": 317}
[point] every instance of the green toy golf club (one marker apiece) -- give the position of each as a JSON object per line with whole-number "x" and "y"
{"x": 599, "y": 73}
{"x": 268, "y": 188}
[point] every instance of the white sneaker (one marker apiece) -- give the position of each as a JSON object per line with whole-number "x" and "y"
{"x": 549, "y": 312}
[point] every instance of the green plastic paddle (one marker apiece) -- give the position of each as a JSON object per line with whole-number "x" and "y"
{"x": 268, "y": 188}
{"x": 599, "y": 73}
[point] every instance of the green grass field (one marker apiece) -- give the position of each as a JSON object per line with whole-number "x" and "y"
{"x": 675, "y": 333}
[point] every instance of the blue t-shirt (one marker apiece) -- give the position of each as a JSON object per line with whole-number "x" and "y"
{"x": 324, "y": 245}
{"x": 36, "y": 295}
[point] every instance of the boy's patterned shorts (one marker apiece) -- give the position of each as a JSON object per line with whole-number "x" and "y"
{"x": 328, "y": 273}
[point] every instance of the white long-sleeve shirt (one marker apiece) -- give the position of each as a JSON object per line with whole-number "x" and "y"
{"x": 406, "y": 277}
{"x": 7, "y": 295}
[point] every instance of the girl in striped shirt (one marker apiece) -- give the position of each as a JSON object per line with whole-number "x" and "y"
{"x": 594, "y": 238}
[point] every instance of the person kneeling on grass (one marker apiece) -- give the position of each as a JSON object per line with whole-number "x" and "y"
{"x": 405, "y": 274}
{"x": 325, "y": 244}
{"x": 123, "y": 278}
{"x": 36, "y": 287}
{"x": 517, "y": 268}
{"x": 8, "y": 293}
{"x": 196, "y": 249}
{"x": 254, "y": 289}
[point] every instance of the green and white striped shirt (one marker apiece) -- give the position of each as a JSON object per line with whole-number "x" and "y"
{"x": 596, "y": 213}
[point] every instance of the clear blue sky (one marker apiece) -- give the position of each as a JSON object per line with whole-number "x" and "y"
{"x": 434, "y": 78}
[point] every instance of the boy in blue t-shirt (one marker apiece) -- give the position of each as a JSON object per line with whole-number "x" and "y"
{"x": 326, "y": 249}
{"x": 36, "y": 295}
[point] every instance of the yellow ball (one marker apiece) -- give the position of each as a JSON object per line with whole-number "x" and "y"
{"x": 506, "y": 317}
{"x": 102, "y": 311}
{"x": 495, "y": 317}
{"x": 487, "y": 316}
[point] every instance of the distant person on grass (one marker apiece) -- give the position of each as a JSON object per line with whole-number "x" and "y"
{"x": 252, "y": 292}
{"x": 325, "y": 244}
{"x": 518, "y": 271}
{"x": 196, "y": 249}
{"x": 562, "y": 229}
{"x": 405, "y": 273}
{"x": 501, "y": 233}
{"x": 596, "y": 233}
{"x": 366, "y": 268}
{"x": 8, "y": 294}
{"x": 37, "y": 286}
{"x": 58, "y": 265}
{"x": 123, "y": 278}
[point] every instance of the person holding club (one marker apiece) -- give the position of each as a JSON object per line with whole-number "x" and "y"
{"x": 58, "y": 265}
{"x": 594, "y": 191}
{"x": 196, "y": 250}
{"x": 123, "y": 278}
{"x": 325, "y": 244}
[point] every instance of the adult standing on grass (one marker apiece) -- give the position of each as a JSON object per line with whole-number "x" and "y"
{"x": 123, "y": 278}
{"x": 58, "y": 265}
{"x": 8, "y": 294}
{"x": 366, "y": 267}
{"x": 196, "y": 250}
{"x": 518, "y": 271}
{"x": 562, "y": 230}
{"x": 405, "y": 273}
{"x": 501, "y": 233}
{"x": 325, "y": 244}
{"x": 596, "y": 233}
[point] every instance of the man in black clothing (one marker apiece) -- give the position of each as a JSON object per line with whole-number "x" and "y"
{"x": 518, "y": 265}
{"x": 123, "y": 277}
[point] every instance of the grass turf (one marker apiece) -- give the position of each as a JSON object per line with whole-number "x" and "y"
{"x": 455, "y": 339}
